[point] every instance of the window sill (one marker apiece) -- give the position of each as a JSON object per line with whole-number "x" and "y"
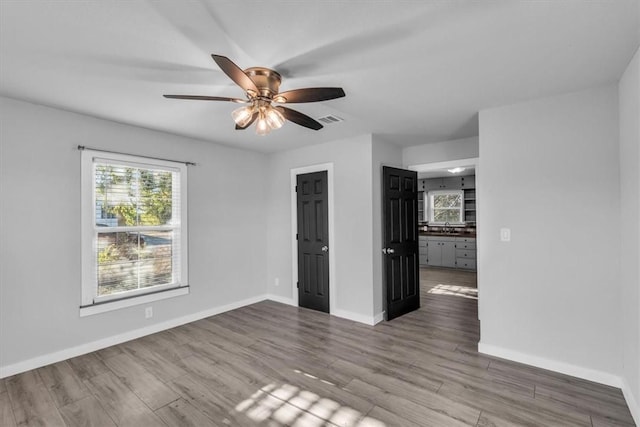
{"x": 104, "y": 307}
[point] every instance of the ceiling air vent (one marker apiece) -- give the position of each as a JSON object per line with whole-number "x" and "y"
{"x": 327, "y": 120}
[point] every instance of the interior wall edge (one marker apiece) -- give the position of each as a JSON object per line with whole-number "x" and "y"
{"x": 632, "y": 401}
{"x": 281, "y": 299}
{"x": 356, "y": 317}
{"x": 588, "y": 374}
{"x": 378, "y": 318}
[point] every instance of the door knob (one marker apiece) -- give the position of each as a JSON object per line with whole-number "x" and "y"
{"x": 325, "y": 248}
{"x": 390, "y": 251}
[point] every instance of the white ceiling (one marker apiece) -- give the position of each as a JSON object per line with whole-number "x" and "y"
{"x": 469, "y": 170}
{"x": 413, "y": 71}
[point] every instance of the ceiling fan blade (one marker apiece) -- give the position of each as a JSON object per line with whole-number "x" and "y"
{"x": 311, "y": 94}
{"x": 299, "y": 118}
{"x": 253, "y": 119}
{"x": 235, "y": 73}
{"x": 207, "y": 98}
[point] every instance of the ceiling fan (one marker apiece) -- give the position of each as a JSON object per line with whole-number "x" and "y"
{"x": 261, "y": 86}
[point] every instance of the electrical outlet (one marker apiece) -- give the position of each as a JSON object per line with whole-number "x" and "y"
{"x": 505, "y": 234}
{"x": 276, "y": 282}
{"x": 148, "y": 312}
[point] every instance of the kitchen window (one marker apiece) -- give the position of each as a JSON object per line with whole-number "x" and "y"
{"x": 134, "y": 231}
{"x": 446, "y": 206}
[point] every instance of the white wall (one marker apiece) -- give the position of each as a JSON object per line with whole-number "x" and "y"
{"x": 383, "y": 154}
{"x": 629, "y": 102}
{"x": 353, "y": 269}
{"x": 466, "y": 148}
{"x": 551, "y": 296}
{"x": 40, "y": 232}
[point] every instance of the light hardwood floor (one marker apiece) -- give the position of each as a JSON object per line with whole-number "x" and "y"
{"x": 272, "y": 364}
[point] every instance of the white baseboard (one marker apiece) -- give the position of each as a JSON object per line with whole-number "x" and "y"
{"x": 47, "y": 359}
{"x": 281, "y": 299}
{"x": 360, "y": 318}
{"x": 338, "y": 313}
{"x": 632, "y": 402}
{"x": 552, "y": 365}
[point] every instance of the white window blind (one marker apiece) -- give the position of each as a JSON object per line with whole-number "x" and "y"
{"x": 134, "y": 227}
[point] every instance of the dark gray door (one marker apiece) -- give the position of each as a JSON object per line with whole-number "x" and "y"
{"x": 313, "y": 241}
{"x": 400, "y": 241}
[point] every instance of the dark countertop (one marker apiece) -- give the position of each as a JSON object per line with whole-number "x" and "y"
{"x": 440, "y": 233}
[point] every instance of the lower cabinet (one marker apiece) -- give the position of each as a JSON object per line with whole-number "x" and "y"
{"x": 443, "y": 251}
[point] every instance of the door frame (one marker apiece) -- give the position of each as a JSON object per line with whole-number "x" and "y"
{"x": 294, "y": 229}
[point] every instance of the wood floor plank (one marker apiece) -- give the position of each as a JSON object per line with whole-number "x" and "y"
{"x": 154, "y": 362}
{"x": 6, "y": 413}
{"x": 381, "y": 416}
{"x": 429, "y": 399}
{"x": 86, "y": 413}
{"x": 320, "y": 397}
{"x": 149, "y": 388}
{"x": 224, "y": 332}
{"x": 63, "y": 384}
{"x": 599, "y": 421}
{"x": 108, "y": 352}
{"x": 514, "y": 410}
{"x": 594, "y": 406}
{"x": 31, "y": 402}
{"x": 216, "y": 403}
{"x": 121, "y": 404}
{"x": 405, "y": 408}
{"x": 182, "y": 414}
{"x": 169, "y": 345}
{"x": 263, "y": 407}
{"x": 87, "y": 366}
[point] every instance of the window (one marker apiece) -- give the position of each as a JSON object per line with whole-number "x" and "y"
{"x": 134, "y": 231}
{"x": 446, "y": 206}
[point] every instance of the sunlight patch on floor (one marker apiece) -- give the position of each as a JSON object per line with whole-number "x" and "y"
{"x": 290, "y": 405}
{"x": 459, "y": 291}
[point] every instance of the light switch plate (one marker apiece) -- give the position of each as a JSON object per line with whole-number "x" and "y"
{"x": 505, "y": 234}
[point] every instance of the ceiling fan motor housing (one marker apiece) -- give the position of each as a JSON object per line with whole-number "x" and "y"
{"x": 267, "y": 80}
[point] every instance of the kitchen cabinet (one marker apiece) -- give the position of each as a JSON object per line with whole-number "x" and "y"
{"x": 468, "y": 182}
{"x": 448, "y": 183}
{"x": 441, "y": 251}
{"x": 422, "y": 251}
{"x": 446, "y": 251}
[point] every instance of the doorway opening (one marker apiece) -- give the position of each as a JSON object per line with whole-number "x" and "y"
{"x": 447, "y": 224}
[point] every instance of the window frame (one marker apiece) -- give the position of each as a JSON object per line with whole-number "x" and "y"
{"x": 91, "y": 303}
{"x": 430, "y": 196}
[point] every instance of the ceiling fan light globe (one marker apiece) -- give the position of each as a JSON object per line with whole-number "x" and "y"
{"x": 274, "y": 118}
{"x": 242, "y": 116}
{"x": 262, "y": 127}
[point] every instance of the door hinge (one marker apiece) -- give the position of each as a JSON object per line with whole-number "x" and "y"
{"x": 296, "y": 236}
{"x": 296, "y": 188}
{"x": 298, "y": 285}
